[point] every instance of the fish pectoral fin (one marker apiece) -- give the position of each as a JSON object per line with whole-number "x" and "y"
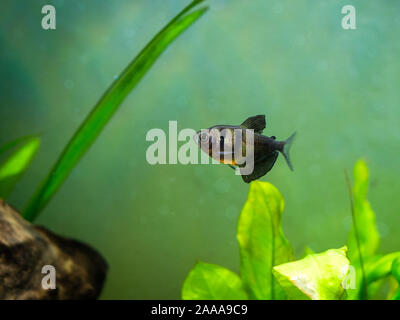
{"x": 257, "y": 123}
{"x": 261, "y": 167}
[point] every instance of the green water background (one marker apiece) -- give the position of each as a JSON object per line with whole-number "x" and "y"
{"x": 290, "y": 60}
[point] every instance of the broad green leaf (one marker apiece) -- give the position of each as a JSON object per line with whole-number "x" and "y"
{"x": 380, "y": 266}
{"x": 364, "y": 224}
{"x": 363, "y": 237}
{"x": 376, "y": 268}
{"x": 396, "y": 295}
{"x": 375, "y": 288}
{"x": 107, "y": 106}
{"x": 396, "y": 269}
{"x": 396, "y": 275}
{"x": 261, "y": 241}
{"x": 317, "y": 276}
{"x": 394, "y": 289}
{"x": 15, "y": 165}
{"x": 211, "y": 282}
{"x": 379, "y": 272}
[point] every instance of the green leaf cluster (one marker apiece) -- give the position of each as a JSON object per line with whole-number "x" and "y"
{"x": 370, "y": 267}
{"x": 268, "y": 269}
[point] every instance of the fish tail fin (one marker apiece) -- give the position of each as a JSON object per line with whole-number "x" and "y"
{"x": 287, "y": 144}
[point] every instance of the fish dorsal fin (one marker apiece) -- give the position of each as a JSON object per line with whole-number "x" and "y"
{"x": 257, "y": 123}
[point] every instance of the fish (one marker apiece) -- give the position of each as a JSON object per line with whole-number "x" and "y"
{"x": 222, "y": 142}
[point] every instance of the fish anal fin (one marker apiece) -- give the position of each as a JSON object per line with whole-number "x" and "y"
{"x": 257, "y": 123}
{"x": 261, "y": 167}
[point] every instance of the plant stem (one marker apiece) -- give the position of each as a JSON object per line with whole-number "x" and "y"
{"x": 364, "y": 291}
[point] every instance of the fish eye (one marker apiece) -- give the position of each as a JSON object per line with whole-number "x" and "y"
{"x": 204, "y": 136}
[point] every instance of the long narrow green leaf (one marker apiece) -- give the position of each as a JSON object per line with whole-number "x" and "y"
{"x": 106, "y": 107}
{"x": 212, "y": 282}
{"x": 15, "y": 165}
{"x": 262, "y": 242}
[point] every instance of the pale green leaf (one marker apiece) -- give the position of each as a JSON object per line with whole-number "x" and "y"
{"x": 12, "y": 168}
{"x": 261, "y": 241}
{"x": 317, "y": 276}
{"x": 212, "y": 282}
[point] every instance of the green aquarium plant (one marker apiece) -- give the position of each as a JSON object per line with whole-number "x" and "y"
{"x": 15, "y": 158}
{"x": 268, "y": 269}
{"x": 15, "y": 164}
{"x": 13, "y": 167}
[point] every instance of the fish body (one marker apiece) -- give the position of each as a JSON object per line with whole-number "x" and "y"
{"x": 232, "y": 145}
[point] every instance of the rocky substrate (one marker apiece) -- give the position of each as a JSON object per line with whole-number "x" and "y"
{"x": 25, "y": 250}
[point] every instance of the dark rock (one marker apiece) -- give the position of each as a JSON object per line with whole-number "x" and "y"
{"x": 25, "y": 249}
